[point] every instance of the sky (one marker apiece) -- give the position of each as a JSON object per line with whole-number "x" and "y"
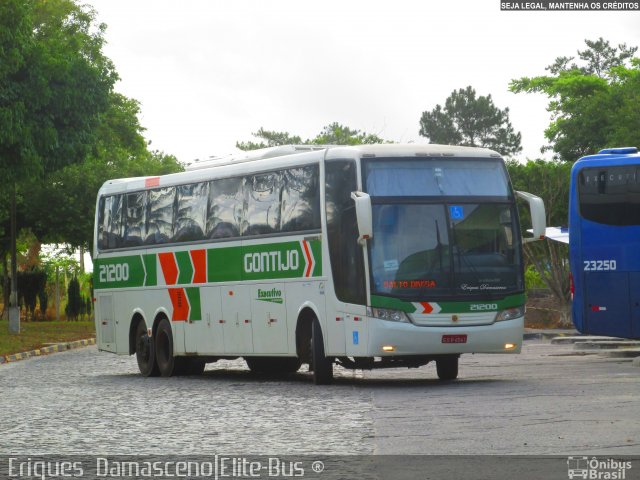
{"x": 208, "y": 73}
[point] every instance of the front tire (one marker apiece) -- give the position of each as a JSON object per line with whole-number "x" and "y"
{"x": 321, "y": 365}
{"x": 447, "y": 368}
{"x": 168, "y": 365}
{"x": 145, "y": 352}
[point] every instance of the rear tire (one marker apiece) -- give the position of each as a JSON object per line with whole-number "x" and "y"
{"x": 447, "y": 368}
{"x": 321, "y": 365}
{"x": 145, "y": 352}
{"x": 167, "y": 363}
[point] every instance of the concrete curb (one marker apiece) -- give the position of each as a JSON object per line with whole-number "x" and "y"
{"x": 548, "y": 334}
{"x": 59, "y": 347}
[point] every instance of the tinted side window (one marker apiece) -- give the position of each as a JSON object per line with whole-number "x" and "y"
{"x": 161, "y": 206}
{"x": 110, "y": 223}
{"x": 102, "y": 244}
{"x": 263, "y": 203}
{"x": 610, "y": 195}
{"x": 300, "y": 208}
{"x": 226, "y": 208}
{"x": 347, "y": 264}
{"x": 134, "y": 231}
{"x": 191, "y": 213}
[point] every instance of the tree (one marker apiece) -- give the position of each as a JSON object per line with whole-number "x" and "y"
{"x": 337, "y": 134}
{"x": 593, "y": 104}
{"x": 472, "y": 121}
{"x": 54, "y": 84}
{"x": 549, "y": 180}
{"x": 75, "y": 302}
{"x": 120, "y": 150}
{"x": 271, "y": 139}
{"x": 598, "y": 59}
{"x": 332, "y": 134}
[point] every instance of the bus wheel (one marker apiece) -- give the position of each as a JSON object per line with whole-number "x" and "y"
{"x": 321, "y": 365}
{"x": 145, "y": 352}
{"x": 167, "y": 363}
{"x": 447, "y": 367}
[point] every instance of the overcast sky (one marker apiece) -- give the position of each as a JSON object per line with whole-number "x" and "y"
{"x": 209, "y": 72}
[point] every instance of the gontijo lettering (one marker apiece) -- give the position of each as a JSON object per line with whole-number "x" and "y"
{"x": 275, "y": 261}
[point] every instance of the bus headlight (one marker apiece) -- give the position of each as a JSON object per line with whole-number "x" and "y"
{"x": 510, "y": 314}
{"x": 390, "y": 315}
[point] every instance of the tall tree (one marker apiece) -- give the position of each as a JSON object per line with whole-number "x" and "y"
{"x": 473, "y": 121}
{"x": 270, "y": 138}
{"x": 594, "y": 103}
{"x": 337, "y": 134}
{"x": 549, "y": 180}
{"x": 54, "y": 84}
{"x": 332, "y": 134}
{"x": 62, "y": 205}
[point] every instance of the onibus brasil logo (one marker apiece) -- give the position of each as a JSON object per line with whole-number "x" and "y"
{"x": 597, "y": 469}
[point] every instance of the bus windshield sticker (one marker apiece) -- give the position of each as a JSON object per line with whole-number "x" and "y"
{"x": 391, "y": 265}
{"x": 456, "y": 212}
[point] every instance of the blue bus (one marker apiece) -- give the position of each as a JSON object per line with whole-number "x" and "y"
{"x": 604, "y": 242}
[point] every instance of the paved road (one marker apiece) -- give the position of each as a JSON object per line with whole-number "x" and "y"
{"x": 545, "y": 401}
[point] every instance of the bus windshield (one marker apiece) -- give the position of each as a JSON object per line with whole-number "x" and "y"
{"x": 455, "y": 237}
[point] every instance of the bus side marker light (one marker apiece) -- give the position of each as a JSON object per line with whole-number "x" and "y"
{"x": 388, "y": 348}
{"x": 509, "y": 346}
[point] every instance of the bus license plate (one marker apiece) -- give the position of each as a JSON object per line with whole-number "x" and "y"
{"x": 454, "y": 339}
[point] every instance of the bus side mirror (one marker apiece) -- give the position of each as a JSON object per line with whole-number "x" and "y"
{"x": 538, "y": 216}
{"x": 363, "y": 215}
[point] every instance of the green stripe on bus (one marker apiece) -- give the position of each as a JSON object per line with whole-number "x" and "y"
{"x": 316, "y": 249}
{"x": 468, "y": 307}
{"x": 183, "y": 259}
{"x": 380, "y": 301}
{"x": 226, "y": 264}
{"x": 281, "y": 260}
{"x": 151, "y": 267}
{"x": 118, "y": 272}
{"x": 193, "y": 294}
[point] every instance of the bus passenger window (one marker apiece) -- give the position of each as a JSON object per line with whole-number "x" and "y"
{"x": 160, "y": 216}
{"x": 300, "y": 209}
{"x": 134, "y": 224}
{"x": 191, "y": 215}
{"x": 263, "y": 204}
{"x": 226, "y": 208}
{"x": 110, "y": 222}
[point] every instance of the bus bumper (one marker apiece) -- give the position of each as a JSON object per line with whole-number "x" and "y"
{"x": 393, "y": 338}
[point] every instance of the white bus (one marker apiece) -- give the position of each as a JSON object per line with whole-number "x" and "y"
{"x": 369, "y": 256}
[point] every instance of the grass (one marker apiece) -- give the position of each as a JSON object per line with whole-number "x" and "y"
{"x": 35, "y": 335}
